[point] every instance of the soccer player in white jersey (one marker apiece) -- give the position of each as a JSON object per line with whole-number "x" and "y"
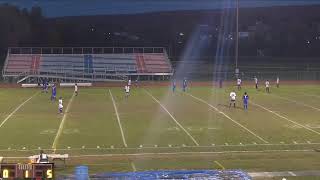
{"x": 129, "y": 82}
{"x": 76, "y": 89}
{"x": 278, "y": 82}
{"x": 60, "y": 105}
{"x": 127, "y": 91}
{"x": 267, "y": 86}
{"x": 239, "y": 84}
{"x": 256, "y": 81}
{"x": 43, "y": 158}
{"x": 233, "y": 96}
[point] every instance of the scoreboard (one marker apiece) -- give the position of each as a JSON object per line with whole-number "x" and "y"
{"x": 27, "y": 171}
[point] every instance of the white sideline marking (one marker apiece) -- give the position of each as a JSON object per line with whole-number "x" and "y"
{"x": 277, "y": 114}
{"x": 118, "y": 118}
{"x": 133, "y": 167}
{"x": 54, "y": 144}
{"x": 165, "y": 147}
{"x": 216, "y": 109}
{"x": 176, "y": 153}
{"x": 187, "y": 153}
{"x": 15, "y": 110}
{"x": 296, "y": 102}
{"x": 174, "y": 119}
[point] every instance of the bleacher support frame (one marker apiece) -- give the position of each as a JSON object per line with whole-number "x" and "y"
{"x": 83, "y": 77}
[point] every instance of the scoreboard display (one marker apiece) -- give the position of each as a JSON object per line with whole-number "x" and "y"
{"x": 26, "y": 171}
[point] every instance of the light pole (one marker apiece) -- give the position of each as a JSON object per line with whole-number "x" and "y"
{"x": 237, "y": 38}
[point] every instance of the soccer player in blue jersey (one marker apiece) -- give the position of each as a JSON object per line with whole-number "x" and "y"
{"x": 174, "y": 85}
{"x": 245, "y": 100}
{"x": 44, "y": 85}
{"x": 53, "y": 92}
{"x": 184, "y": 85}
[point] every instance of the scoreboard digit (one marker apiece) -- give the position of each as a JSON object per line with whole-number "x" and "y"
{"x": 8, "y": 171}
{"x": 26, "y": 171}
{"x": 43, "y": 171}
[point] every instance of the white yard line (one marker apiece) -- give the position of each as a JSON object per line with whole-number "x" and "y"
{"x": 133, "y": 167}
{"x": 234, "y": 121}
{"x": 296, "y": 102}
{"x": 311, "y": 95}
{"x": 118, "y": 118}
{"x": 291, "y": 173}
{"x": 16, "y": 109}
{"x": 220, "y": 165}
{"x": 174, "y": 119}
{"x": 55, "y": 141}
{"x": 279, "y": 115}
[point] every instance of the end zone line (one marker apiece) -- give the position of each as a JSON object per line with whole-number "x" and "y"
{"x": 220, "y": 165}
{"x": 216, "y": 109}
{"x": 17, "y": 108}
{"x": 296, "y": 102}
{"x": 174, "y": 119}
{"x": 118, "y": 119}
{"x": 279, "y": 115}
{"x": 55, "y": 141}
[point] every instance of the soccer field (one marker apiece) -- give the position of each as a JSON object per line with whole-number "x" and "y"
{"x": 158, "y": 129}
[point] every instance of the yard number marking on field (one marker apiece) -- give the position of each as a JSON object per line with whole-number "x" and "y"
{"x": 216, "y": 109}
{"x": 118, "y": 119}
{"x": 174, "y": 119}
{"x": 15, "y": 110}
{"x": 54, "y": 144}
{"x": 279, "y": 115}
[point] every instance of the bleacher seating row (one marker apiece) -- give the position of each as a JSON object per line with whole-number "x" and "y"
{"x": 87, "y": 63}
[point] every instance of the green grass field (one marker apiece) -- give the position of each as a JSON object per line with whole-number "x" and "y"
{"x": 157, "y": 129}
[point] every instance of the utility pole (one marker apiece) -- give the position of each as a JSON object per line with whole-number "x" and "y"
{"x": 237, "y": 38}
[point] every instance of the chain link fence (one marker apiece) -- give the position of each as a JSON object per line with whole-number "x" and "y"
{"x": 204, "y": 71}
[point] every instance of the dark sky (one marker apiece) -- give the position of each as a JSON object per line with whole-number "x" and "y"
{"x": 56, "y": 8}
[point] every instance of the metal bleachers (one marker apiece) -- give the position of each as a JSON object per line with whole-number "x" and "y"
{"x": 85, "y": 66}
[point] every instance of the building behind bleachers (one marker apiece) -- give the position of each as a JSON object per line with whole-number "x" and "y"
{"x": 86, "y": 64}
